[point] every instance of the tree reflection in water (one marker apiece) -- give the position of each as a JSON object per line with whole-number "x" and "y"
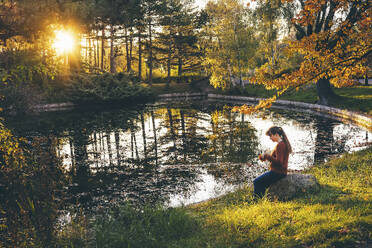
{"x": 152, "y": 153}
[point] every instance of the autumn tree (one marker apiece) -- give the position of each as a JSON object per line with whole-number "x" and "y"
{"x": 272, "y": 21}
{"x": 334, "y": 39}
{"x": 229, "y": 42}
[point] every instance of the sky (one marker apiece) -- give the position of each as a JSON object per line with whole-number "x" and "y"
{"x": 201, "y": 3}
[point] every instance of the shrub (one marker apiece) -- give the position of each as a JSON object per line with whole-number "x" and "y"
{"x": 18, "y": 98}
{"x": 108, "y": 88}
{"x": 22, "y": 75}
{"x": 31, "y": 181}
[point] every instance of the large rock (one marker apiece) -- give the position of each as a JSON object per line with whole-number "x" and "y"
{"x": 293, "y": 184}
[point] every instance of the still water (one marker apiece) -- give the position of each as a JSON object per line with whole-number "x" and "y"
{"x": 175, "y": 154}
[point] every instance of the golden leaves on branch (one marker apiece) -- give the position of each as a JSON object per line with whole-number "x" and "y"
{"x": 11, "y": 153}
{"x": 328, "y": 54}
{"x": 338, "y": 52}
{"x": 311, "y": 9}
{"x": 262, "y": 104}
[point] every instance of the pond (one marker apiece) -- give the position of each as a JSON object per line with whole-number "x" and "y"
{"x": 177, "y": 153}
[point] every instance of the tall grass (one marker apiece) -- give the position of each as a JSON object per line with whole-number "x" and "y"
{"x": 127, "y": 226}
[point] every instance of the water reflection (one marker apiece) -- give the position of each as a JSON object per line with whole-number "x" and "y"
{"x": 178, "y": 154}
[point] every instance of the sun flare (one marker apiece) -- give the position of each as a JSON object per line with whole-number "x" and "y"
{"x": 63, "y": 42}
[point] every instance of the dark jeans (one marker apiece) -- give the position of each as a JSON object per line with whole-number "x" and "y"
{"x": 262, "y": 182}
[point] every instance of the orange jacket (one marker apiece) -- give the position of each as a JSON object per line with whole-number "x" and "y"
{"x": 278, "y": 158}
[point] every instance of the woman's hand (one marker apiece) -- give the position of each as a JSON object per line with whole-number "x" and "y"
{"x": 261, "y": 157}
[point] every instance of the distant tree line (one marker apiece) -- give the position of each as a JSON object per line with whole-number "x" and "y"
{"x": 280, "y": 44}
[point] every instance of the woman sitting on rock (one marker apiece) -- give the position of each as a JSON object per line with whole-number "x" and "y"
{"x": 278, "y": 161}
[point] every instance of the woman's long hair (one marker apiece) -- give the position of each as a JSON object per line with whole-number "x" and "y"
{"x": 278, "y": 130}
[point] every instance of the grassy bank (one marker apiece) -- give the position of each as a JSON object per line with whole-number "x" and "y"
{"x": 339, "y": 215}
{"x": 356, "y": 98}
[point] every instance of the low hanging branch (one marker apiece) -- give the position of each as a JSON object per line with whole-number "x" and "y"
{"x": 337, "y": 53}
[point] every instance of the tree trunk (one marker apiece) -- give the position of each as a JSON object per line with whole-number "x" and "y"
{"x": 134, "y": 141}
{"x": 95, "y": 147}
{"x": 127, "y": 51}
{"x": 173, "y": 133}
{"x": 150, "y": 53}
{"x": 131, "y": 48}
{"x": 102, "y": 47}
{"x": 95, "y": 51}
{"x": 72, "y": 155}
{"x": 90, "y": 54}
{"x": 325, "y": 92}
{"x": 112, "y": 51}
{"x": 143, "y": 134}
{"x": 139, "y": 56}
{"x": 155, "y": 138}
{"x": 366, "y": 79}
{"x": 169, "y": 63}
{"x": 184, "y": 143}
{"x": 109, "y": 149}
{"x": 86, "y": 50}
{"x": 117, "y": 144}
{"x": 180, "y": 62}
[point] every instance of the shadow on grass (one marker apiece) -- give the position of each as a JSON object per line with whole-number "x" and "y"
{"x": 332, "y": 217}
{"x": 348, "y": 215}
{"x": 353, "y": 103}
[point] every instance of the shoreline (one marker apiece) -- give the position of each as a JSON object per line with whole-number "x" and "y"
{"x": 340, "y": 114}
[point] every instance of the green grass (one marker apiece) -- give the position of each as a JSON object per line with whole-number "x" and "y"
{"x": 358, "y": 98}
{"x": 306, "y": 94}
{"x": 126, "y": 226}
